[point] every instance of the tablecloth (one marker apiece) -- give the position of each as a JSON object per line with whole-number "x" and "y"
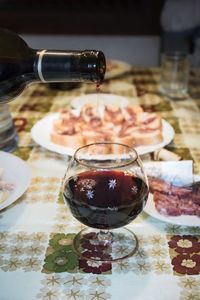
{"x": 37, "y": 260}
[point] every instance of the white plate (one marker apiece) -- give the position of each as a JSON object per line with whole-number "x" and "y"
{"x": 101, "y": 98}
{"x": 119, "y": 68}
{"x": 41, "y": 135}
{"x": 179, "y": 220}
{"x": 16, "y": 172}
{"x": 168, "y": 135}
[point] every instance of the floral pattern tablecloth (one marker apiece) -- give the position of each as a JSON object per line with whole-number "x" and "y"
{"x": 37, "y": 260}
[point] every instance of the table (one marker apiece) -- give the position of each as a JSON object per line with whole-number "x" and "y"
{"x": 38, "y": 228}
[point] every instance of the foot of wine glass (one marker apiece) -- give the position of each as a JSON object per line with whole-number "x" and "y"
{"x": 105, "y": 245}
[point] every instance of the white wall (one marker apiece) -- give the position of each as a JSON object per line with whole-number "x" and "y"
{"x": 139, "y": 51}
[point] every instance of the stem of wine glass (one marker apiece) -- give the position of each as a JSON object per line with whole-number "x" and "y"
{"x": 105, "y": 236}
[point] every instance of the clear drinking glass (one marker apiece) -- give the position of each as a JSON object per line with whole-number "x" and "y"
{"x": 175, "y": 68}
{"x": 105, "y": 187}
{"x": 8, "y": 133}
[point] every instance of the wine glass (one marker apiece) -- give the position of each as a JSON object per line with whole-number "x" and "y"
{"x": 105, "y": 187}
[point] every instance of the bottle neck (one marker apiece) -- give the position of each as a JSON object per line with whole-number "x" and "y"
{"x": 70, "y": 66}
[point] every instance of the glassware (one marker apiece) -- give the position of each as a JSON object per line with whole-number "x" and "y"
{"x": 8, "y": 133}
{"x": 105, "y": 187}
{"x": 175, "y": 68}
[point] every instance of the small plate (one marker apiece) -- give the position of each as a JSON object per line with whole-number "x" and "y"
{"x": 17, "y": 172}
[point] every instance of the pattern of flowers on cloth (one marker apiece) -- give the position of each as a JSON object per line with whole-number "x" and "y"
{"x": 3, "y": 236}
{"x": 74, "y": 286}
{"x": 99, "y": 281}
{"x": 189, "y": 295}
{"x": 185, "y": 254}
{"x": 88, "y": 242}
{"x": 43, "y": 189}
{"x": 157, "y": 240}
{"x": 189, "y": 282}
{"x": 190, "y": 288}
{"x": 158, "y": 252}
{"x": 12, "y": 264}
{"x": 95, "y": 267}
{"x": 60, "y": 256}
{"x": 48, "y": 294}
{"x": 73, "y": 294}
{"x": 34, "y": 249}
{"x": 194, "y": 230}
{"x": 21, "y": 251}
{"x": 187, "y": 264}
{"x": 122, "y": 250}
{"x": 32, "y": 264}
{"x": 172, "y": 229}
{"x": 141, "y": 267}
{"x": 185, "y": 244}
{"x": 91, "y": 249}
{"x": 75, "y": 281}
{"x": 151, "y": 257}
{"x": 51, "y": 281}
{"x": 27, "y": 107}
{"x": 161, "y": 267}
{"x": 99, "y": 294}
{"x": 122, "y": 266}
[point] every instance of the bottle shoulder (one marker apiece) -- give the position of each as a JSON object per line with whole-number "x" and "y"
{"x": 12, "y": 45}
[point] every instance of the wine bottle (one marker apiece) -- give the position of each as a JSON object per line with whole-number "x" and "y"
{"x": 21, "y": 65}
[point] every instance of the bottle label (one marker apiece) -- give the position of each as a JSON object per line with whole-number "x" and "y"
{"x": 39, "y": 65}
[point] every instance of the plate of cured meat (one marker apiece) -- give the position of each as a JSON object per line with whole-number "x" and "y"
{"x": 174, "y": 204}
{"x": 69, "y": 129}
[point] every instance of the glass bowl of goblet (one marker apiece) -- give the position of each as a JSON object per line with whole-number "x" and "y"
{"x": 105, "y": 188}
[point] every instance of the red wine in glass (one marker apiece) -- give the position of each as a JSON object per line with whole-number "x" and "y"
{"x": 105, "y": 199}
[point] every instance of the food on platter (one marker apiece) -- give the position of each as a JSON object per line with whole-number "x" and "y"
{"x": 171, "y": 200}
{"x": 96, "y": 123}
{"x": 5, "y": 187}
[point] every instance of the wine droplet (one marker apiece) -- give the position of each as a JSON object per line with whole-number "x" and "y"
{"x": 98, "y": 87}
{"x": 100, "y": 106}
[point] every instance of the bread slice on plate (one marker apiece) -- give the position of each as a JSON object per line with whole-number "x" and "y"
{"x": 151, "y": 137}
{"x": 73, "y": 141}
